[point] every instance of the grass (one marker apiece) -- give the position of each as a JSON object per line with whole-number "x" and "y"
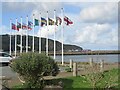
{"x": 82, "y": 83}
{"x": 71, "y": 82}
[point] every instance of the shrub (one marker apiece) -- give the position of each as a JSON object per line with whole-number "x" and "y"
{"x": 32, "y": 67}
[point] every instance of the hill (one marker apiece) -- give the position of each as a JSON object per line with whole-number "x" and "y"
{"x": 5, "y": 44}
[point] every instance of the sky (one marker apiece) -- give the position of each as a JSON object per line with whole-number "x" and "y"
{"x": 95, "y": 23}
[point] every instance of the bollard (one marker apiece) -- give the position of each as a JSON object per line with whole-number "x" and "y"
{"x": 74, "y": 69}
{"x": 101, "y": 65}
{"x": 91, "y": 61}
{"x": 71, "y": 64}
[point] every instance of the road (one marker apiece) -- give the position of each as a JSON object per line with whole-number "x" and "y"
{"x": 7, "y": 73}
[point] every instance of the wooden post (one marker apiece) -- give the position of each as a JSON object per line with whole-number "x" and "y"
{"x": 101, "y": 65}
{"x": 91, "y": 61}
{"x": 74, "y": 69}
{"x": 71, "y": 63}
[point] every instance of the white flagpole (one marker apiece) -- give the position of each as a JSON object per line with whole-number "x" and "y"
{"x": 47, "y": 35}
{"x": 33, "y": 34}
{"x": 27, "y": 35}
{"x": 40, "y": 34}
{"x": 21, "y": 37}
{"x": 16, "y": 39}
{"x": 54, "y": 33}
{"x": 62, "y": 36}
{"x": 10, "y": 37}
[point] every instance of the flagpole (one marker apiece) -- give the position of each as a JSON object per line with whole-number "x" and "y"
{"x": 40, "y": 34}
{"x": 47, "y": 36}
{"x": 33, "y": 34}
{"x": 10, "y": 37}
{"x": 16, "y": 39}
{"x": 62, "y": 36}
{"x": 21, "y": 36}
{"x": 54, "y": 33}
{"x": 27, "y": 35}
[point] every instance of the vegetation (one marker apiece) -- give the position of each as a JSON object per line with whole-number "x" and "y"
{"x": 82, "y": 83}
{"x": 32, "y": 67}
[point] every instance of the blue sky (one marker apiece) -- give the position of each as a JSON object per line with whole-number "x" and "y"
{"x": 95, "y": 23}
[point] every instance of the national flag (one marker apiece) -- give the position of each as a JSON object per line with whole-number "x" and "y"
{"x": 58, "y": 21}
{"x": 51, "y": 22}
{"x": 30, "y": 24}
{"x": 14, "y": 27}
{"x": 24, "y": 26}
{"x": 36, "y": 22}
{"x": 18, "y": 25}
{"x": 29, "y": 28}
{"x": 67, "y": 20}
{"x": 43, "y": 21}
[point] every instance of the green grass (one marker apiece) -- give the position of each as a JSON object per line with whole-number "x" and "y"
{"x": 111, "y": 77}
{"x": 72, "y": 82}
{"x": 82, "y": 83}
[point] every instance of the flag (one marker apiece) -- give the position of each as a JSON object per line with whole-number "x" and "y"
{"x": 51, "y": 22}
{"x": 29, "y": 28}
{"x": 18, "y": 25}
{"x": 30, "y": 24}
{"x": 24, "y": 26}
{"x": 14, "y": 27}
{"x": 58, "y": 21}
{"x": 36, "y": 22}
{"x": 43, "y": 21}
{"x": 67, "y": 20}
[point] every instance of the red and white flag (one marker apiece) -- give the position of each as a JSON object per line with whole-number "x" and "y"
{"x": 67, "y": 21}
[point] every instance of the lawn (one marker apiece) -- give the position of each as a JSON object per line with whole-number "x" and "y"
{"x": 82, "y": 83}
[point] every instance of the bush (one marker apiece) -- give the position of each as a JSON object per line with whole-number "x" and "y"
{"x": 32, "y": 67}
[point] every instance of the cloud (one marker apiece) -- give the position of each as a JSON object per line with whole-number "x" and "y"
{"x": 43, "y": 32}
{"x": 43, "y": 7}
{"x": 96, "y": 35}
{"x": 100, "y": 13}
{"x": 30, "y": 6}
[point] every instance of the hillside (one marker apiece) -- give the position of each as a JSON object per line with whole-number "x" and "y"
{"x": 5, "y": 44}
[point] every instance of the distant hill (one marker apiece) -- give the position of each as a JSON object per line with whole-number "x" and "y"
{"x": 5, "y": 44}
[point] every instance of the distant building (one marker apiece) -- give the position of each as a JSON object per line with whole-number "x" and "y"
{"x": 86, "y": 50}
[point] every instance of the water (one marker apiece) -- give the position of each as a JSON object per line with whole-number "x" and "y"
{"x": 111, "y": 58}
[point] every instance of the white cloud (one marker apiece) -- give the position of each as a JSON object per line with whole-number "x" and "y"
{"x": 43, "y": 7}
{"x": 97, "y": 34}
{"x": 43, "y": 32}
{"x": 33, "y": 6}
{"x": 100, "y": 13}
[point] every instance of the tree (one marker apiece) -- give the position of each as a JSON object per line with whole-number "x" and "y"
{"x": 32, "y": 67}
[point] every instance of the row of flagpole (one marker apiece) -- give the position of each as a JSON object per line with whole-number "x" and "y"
{"x": 33, "y": 37}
